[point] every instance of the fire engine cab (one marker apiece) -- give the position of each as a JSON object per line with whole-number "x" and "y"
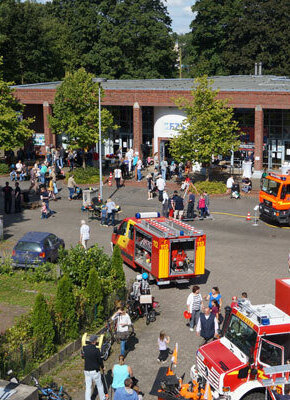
{"x": 168, "y": 249}
{"x": 255, "y": 338}
{"x": 275, "y": 198}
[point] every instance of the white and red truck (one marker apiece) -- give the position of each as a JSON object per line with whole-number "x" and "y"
{"x": 255, "y": 337}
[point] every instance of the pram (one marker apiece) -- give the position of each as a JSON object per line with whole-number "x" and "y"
{"x": 235, "y": 191}
{"x": 78, "y": 194}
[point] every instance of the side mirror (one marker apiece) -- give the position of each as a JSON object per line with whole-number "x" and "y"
{"x": 283, "y": 193}
{"x": 115, "y": 230}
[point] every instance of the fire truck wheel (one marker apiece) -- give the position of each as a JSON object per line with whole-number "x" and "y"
{"x": 254, "y": 396}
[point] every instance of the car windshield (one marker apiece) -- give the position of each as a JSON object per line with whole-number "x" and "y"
{"x": 241, "y": 335}
{"x": 271, "y": 187}
{"x": 28, "y": 246}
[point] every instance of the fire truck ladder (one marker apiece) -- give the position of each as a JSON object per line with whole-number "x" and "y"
{"x": 274, "y": 380}
{"x": 155, "y": 228}
{"x": 176, "y": 227}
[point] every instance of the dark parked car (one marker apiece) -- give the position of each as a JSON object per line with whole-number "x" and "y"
{"x": 36, "y": 248}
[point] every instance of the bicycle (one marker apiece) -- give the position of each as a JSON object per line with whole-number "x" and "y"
{"x": 52, "y": 392}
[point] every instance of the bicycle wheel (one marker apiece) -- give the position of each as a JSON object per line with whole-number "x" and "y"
{"x": 65, "y": 396}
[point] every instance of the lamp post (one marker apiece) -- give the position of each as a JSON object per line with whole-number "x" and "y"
{"x": 99, "y": 82}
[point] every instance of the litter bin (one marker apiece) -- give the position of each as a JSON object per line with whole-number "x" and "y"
{"x": 247, "y": 169}
{"x": 88, "y": 196}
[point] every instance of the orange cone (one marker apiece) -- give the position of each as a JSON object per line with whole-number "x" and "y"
{"x": 248, "y": 217}
{"x": 99, "y": 198}
{"x": 207, "y": 392}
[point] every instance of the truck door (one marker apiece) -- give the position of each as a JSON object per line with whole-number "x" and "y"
{"x": 125, "y": 242}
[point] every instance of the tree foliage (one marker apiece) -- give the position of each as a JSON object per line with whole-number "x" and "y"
{"x": 94, "y": 296}
{"x": 76, "y": 112}
{"x": 117, "y": 268}
{"x": 14, "y": 130}
{"x": 229, "y": 36}
{"x": 208, "y": 129}
{"x": 65, "y": 310}
{"x": 42, "y": 326}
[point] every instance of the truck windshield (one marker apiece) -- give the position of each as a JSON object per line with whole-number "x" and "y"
{"x": 270, "y": 187}
{"x": 241, "y": 335}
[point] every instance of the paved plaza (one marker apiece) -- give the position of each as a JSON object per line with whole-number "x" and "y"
{"x": 239, "y": 257}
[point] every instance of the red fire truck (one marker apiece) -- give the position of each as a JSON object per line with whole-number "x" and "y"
{"x": 168, "y": 249}
{"x": 255, "y": 338}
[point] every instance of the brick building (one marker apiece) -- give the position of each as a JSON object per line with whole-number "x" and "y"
{"x": 147, "y": 115}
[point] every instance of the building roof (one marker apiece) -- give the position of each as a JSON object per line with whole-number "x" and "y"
{"x": 242, "y": 83}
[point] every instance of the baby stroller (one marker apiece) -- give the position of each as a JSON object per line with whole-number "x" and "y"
{"x": 235, "y": 191}
{"x": 78, "y": 193}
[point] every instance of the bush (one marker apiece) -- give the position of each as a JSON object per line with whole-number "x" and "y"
{"x": 4, "y": 169}
{"x": 77, "y": 262}
{"x": 6, "y": 267}
{"x": 210, "y": 187}
{"x": 43, "y": 327}
{"x": 43, "y": 273}
{"x": 88, "y": 175}
{"x": 65, "y": 310}
{"x": 94, "y": 295}
{"x": 117, "y": 269}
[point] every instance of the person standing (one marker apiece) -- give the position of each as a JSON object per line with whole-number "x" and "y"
{"x": 120, "y": 373}
{"x": 123, "y": 323}
{"x": 150, "y": 186}
{"x": 178, "y": 205}
{"x": 84, "y": 234}
{"x": 194, "y": 306}
{"x": 139, "y": 168}
{"x": 163, "y": 166}
{"x": 165, "y": 204}
{"x": 190, "y": 206}
{"x": 160, "y": 183}
{"x": 93, "y": 365}
{"x": 44, "y": 196}
{"x": 17, "y": 198}
{"x": 207, "y": 327}
{"x": 201, "y": 206}
{"x": 118, "y": 176}
{"x": 34, "y": 178}
{"x": 230, "y": 183}
{"x": 71, "y": 184}
{"x": 7, "y": 191}
{"x": 214, "y": 295}
{"x": 111, "y": 209}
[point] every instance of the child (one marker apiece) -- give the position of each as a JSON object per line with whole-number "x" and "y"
{"x": 51, "y": 189}
{"x": 103, "y": 214}
{"x": 163, "y": 341}
{"x": 44, "y": 212}
{"x": 201, "y": 206}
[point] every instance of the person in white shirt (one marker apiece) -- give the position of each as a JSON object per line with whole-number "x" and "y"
{"x": 165, "y": 204}
{"x": 230, "y": 183}
{"x": 160, "y": 183}
{"x": 84, "y": 234}
{"x": 194, "y": 305}
{"x": 123, "y": 323}
{"x": 207, "y": 326}
{"x": 118, "y": 176}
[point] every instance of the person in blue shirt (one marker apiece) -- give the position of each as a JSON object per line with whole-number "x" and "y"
{"x": 121, "y": 372}
{"x": 126, "y": 392}
{"x": 214, "y": 295}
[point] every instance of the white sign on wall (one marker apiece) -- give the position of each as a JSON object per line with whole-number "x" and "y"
{"x": 167, "y": 122}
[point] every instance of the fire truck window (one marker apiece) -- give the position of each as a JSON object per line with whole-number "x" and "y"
{"x": 241, "y": 335}
{"x": 131, "y": 232}
{"x": 270, "y": 187}
{"x": 282, "y": 339}
{"x": 270, "y": 354}
{"x": 123, "y": 228}
{"x": 182, "y": 257}
{"x": 143, "y": 249}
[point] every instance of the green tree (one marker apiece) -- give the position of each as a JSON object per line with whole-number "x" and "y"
{"x": 65, "y": 310}
{"x": 14, "y": 130}
{"x": 210, "y": 35}
{"x": 76, "y": 112}
{"x": 135, "y": 40}
{"x": 31, "y": 53}
{"x": 94, "y": 295}
{"x": 42, "y": 326}
{"x": 117, "y": 270}
{"x": 259, "y": 33}
{"x": 209, "y": 128}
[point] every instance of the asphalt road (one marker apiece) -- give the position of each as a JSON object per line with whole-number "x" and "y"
{"x": 239, "y": 257}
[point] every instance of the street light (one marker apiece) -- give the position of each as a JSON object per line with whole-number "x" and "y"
{"x": 99, "y": 82}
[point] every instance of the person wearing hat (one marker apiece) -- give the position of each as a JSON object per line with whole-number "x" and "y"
{"x": 93, "y": 365}
{"x": 84, "y": 234}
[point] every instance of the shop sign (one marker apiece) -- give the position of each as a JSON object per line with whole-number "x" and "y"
{"x": 39, "y": 139}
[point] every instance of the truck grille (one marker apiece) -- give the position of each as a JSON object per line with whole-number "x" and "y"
{"x": 211, "y": 375}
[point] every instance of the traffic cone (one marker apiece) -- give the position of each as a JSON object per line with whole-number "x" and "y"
{"x": 99, "y": 198}
{"x": 248, "y": 217}
{"x": 207, "y": 392}
{"x": 110, "y": 179}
